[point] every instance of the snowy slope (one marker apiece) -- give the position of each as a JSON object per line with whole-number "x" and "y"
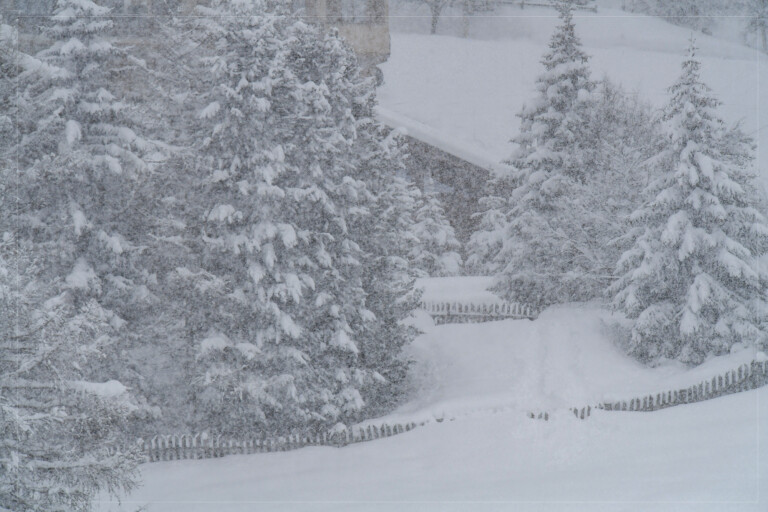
{"x": 468, "y": 90}
{"x": 701, "y": 457}
{"x": 565, "y": 358}
{"x": 480, "y": 380}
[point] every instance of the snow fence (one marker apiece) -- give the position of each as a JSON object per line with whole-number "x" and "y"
{"x": 466, "y": 313}
{"x": 744, "y": 378}
{"x": 205, "y": 446}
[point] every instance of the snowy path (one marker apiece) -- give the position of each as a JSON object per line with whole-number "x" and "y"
{"x": 563, "y": 359}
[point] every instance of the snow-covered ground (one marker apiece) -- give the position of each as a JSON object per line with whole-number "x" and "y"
{"x": 473, "y": 384}
{"x": 466, "y": 289}
{"x": 701, "y": 457}
{"x": 485, "y": 454}
{"x": 467, "y": 91}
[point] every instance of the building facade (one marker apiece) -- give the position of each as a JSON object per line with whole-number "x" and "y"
{"x": 364, "y": 24}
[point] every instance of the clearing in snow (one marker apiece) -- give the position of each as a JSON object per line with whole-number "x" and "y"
{"x": 473, "y": 385}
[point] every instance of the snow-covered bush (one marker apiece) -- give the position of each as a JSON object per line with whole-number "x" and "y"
{"x": 692, "y": 281}
{"x": 436, "y": 254}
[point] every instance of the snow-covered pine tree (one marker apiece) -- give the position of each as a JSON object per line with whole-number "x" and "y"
{"x": 62, "y": 434}
{"x": 280, "y": 317}
{"x": 387, "y": 239}
{"x": 437, "y": 254}
{"x": 61, "y": 431}
{"x": 545, "y": 255}
{"x": 486, "y": 241}
{"x": 79, "y": 177}
{"x": 624, "y": 136}
{"x": 692, "y": 281}
{"x": 83, "y": 159}
{"x": 10, "y": 68}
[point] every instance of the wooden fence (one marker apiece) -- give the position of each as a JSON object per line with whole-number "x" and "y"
{"x": 462, "y": 313}
{"x": 747, "y": 376}
{"x": 539, "y": 3}
{"x": 204, "y": 446}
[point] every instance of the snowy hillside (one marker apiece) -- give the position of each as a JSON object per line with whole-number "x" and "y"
{"x": 486, "y": 454}
{"x": 469, "y": 90}
{"x": 702, "y": 458}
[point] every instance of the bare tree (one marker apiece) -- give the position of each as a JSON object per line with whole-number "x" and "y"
{"x": 758, "y": 22}
{"x": 436, "y": 9}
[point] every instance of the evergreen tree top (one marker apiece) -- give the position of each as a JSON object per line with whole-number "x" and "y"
{"x": 691, "y": 106}
{"x": 78, "y": 19}
{"x": 550, "y": 123}
{"x": 565, "y": 45}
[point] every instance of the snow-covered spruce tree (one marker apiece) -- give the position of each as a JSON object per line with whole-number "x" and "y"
{"x": 77, "y": 185}
{"x": 692, "y": 281}
{"x": 10, "y": 68}
{"x": 624, "y": 135}
{"x": 387, "y": 239}
{"x": 83, "y": 160}
{"x": 61, "y": 433}
{"x": 280, "y": 318}
{"x": 437, "y": 254}
{"x": 487, "y": 240}
{"x": 545, "y": 255}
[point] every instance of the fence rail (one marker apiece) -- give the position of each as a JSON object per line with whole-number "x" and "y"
{"x": 204, "y": 446}
{"x": 525, "y": 3}
{"x": 744, "y": 378}
{"x": 459, "y": 312}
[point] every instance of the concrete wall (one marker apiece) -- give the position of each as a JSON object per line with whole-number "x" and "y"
{"x": 367, "y": 33}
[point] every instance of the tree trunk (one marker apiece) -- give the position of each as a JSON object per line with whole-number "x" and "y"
{"x": 466, "y": 12}
{"x": 435, "y": 8}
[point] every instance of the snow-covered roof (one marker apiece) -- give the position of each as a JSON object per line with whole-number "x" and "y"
{"x": 435, "y": 138}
